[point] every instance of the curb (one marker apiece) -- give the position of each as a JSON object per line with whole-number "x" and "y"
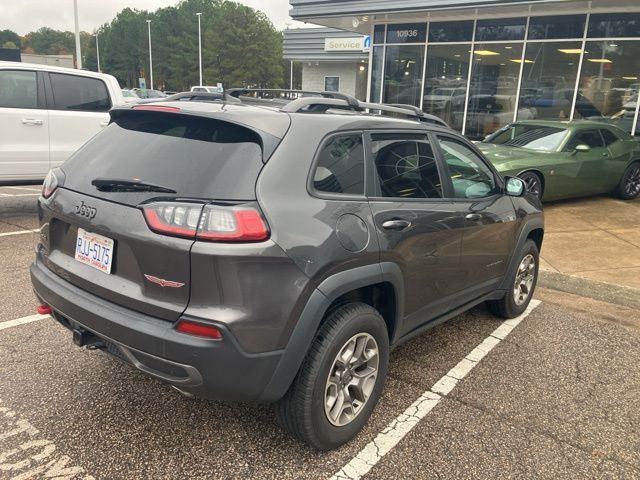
{"x": 607, "y": 292}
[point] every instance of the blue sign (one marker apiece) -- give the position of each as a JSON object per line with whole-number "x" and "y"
{"x": 366, "y": 43}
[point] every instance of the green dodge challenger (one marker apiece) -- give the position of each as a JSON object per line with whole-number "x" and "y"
{"x": 567, "y": 159}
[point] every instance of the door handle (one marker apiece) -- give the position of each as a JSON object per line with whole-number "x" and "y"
{"x": 32, "y": 121}
{"x": 605, "y": 154}
{"x": 473, "y": 217}
{"x": 396, "y": 224}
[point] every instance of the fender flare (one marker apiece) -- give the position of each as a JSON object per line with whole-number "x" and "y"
{"x": 313, "y": 313}
{"x": 536, "y": 223}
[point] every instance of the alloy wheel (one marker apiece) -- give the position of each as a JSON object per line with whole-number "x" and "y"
{"x": 351, "y": 379}
{"x": 533, "y": 185}
{"x": 632, "y": 185}
{"x": 525, "y": 276}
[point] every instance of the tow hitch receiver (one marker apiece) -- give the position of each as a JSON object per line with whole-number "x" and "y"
{"x": 84, "y": 338}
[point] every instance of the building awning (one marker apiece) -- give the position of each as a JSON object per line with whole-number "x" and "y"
{"x": 323, "y": 44}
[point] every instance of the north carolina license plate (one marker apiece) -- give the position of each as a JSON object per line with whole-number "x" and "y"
{"x": 94, "y": 250}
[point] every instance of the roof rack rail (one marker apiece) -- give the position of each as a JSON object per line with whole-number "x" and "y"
{"x": 236, "y": 92}
{"x": 411, "y": 111}
{"x": 200, "y": 96}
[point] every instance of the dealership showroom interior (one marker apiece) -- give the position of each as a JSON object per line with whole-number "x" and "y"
{"x": 319, "y": 239}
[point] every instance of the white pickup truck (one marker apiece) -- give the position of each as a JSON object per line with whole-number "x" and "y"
{"x": 47, "y": 113}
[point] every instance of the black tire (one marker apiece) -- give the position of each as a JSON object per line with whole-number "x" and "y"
{"x": 533, "y": 183}
{"x": 508, "y": 306}
{"x": 301, "y": 412}
{"x": 629, "y": 186}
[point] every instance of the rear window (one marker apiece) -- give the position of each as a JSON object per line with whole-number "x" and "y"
{"x": 196, "y": 157}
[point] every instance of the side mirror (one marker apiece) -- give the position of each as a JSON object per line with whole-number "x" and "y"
{"x": 583, "y": 148}
{"x": 515, "y": 187}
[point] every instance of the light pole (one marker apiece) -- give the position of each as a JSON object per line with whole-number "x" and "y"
{"x": 98, "y": 52}
{"x": 150, "y": 58}
{"x": 78, "y": 55}
{"x": 199, "y": 47}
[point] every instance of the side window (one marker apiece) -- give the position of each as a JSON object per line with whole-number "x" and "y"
{"x": 609, "y": 136}
{"x": 72, "y": 92}
{"x": 590, "y": 138}
{"x": 18, "y": 89}
{"x": 340, "y": 166}
{"x": 470, "y": 176}
{"x": 406, "y": 166}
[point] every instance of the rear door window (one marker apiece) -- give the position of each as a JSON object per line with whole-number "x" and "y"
{"x": 197, "y": 157}
{"x": 73, "y": 92}
{"x": 18, "y": 89}
{"x": 340, "y": 166}
{"x": 405, "y": 166}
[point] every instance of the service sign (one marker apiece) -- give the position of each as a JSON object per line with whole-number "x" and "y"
{"x": 349, "y": 44}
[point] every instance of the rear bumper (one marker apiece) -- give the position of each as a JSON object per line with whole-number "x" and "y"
{"x": 200, "y": 366}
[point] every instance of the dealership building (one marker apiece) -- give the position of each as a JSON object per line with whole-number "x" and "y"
{"x": 481, "y": 64}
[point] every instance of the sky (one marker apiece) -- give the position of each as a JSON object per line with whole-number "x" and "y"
{"x": 24, "y": 16}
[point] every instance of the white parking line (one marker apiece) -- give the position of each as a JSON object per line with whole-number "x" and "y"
{"x": 5, "y": 195}
{"x": 373, "y": 452}
{"x": 22, "y": 321}
{"x": 30, "y": 189}
{"x": 19, "y": 232}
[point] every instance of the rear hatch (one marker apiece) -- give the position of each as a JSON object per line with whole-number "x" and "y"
{"x": 198, "y": 162}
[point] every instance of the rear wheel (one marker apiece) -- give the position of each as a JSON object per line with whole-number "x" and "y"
{"x": 629, "y": 186}
{"x": 341, "y": 379}
{"x": 533, "y": 182}
{"x": 521, "y": 285}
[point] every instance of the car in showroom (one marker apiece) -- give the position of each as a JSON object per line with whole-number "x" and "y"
{"x": 252, "y": 253}
{"x": 559, "y": 159}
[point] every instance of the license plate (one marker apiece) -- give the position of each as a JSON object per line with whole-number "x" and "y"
{"x": 94, "y": 250}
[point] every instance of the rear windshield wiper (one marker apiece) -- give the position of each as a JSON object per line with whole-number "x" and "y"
{"x": 118, "y": 185}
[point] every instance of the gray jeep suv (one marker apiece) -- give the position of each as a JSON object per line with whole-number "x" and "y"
{"x": 264, "y": 254}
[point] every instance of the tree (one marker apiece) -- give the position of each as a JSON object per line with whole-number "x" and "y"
{"x": 9, "y": 36}
{"x": 47, "y": 41}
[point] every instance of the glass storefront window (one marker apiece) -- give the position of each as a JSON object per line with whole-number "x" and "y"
{"x": 495, "y": 71}
{"x": 450, "y": 32}
{"x": 403, "y": 74}
{"x": 549, "y": 80}
{"x": 560, "y": 26}
{"x": 607, "y": 25}
{"x": 610, "y": 82}
{"x": 501, "y": 29}
{"x": 378, "y": 34}
{"x": 376, "y": 74}
{"x": 445, "y": 85}
{"x": 407, "y": 33}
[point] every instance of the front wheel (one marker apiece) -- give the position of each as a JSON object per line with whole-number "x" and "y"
{"x": 533, "y": 182}
{"x": 629, "y": 186}
{"x": 340, "y": 380}
{"x": 522, "y": 284}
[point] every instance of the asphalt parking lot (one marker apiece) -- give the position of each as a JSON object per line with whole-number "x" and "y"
{"x": 555, "y": 396}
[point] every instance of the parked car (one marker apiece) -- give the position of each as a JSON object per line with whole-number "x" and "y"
{"x": 146, "y": 93}
{"x": 567, "y": 159}
{"x": 130, "y": 96}
{"x": 443, "y": 101}
{"x": 46, "y": 113}
{"x": 487, "y": 113}
{"x": 209, "y": 89}
{"x": 238, "y": 252}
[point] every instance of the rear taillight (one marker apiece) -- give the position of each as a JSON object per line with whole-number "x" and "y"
{"x": 199, "y": 329}
{"x": 239, "y": 224}
{"x": 236, "y": 223}
{"x": 176, "y": 219}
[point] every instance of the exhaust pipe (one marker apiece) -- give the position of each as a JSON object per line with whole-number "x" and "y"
{"x": 185, "y": 394}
